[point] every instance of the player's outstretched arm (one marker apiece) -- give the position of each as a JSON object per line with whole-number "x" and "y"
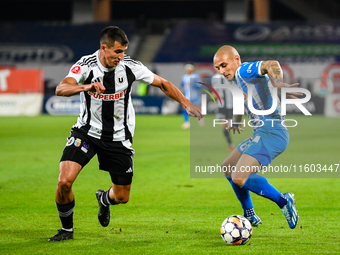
{"x": 274, "y": 71}
{"x": 173, "y": 92}
{"x": 69, "y": 87}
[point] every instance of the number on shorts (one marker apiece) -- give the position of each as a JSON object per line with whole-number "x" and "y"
{"x": 257, "y": 139}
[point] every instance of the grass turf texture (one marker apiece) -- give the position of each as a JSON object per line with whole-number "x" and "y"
{"x": 168, "y": 212}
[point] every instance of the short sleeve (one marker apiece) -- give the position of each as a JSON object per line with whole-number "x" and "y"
{"x": 142, "y": 73}
{"x": 77, "y": 72}
{"x": 251, "y": 70}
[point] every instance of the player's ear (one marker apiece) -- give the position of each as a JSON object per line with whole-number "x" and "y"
{"x": 103, "y": 47}
{"x": 237, "y": 58}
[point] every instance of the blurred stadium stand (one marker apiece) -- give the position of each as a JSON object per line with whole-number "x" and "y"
{"x": 53, "y": 34}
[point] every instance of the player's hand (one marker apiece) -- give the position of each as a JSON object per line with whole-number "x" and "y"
{"x": 293, "y": 95}
{"x": 237, "y": 128}
{"x": 194, "y": 110}
{"x": 95, "y": 87}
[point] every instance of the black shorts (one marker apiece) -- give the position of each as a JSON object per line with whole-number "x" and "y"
{"x": 113, "y": 156}
{"x": 224, "y": 113}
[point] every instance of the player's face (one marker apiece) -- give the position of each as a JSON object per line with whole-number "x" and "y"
{"x": 112, "y": 56}
{"x": 226, "y": 65}
{"x": 189, "y": 70}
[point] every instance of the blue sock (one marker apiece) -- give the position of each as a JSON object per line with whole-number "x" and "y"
{"x": 260, "y": 185}
{"x": 185, "y": 115}
{"x": 244, "y": 197}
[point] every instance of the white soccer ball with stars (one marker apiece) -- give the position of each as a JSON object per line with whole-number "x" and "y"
{"x": 236, "y": 230}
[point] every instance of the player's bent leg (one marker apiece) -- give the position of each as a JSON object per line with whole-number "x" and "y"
{"x": 238, "y": 178}
{"x": 69, "y": 171}
{"x": 229, "y": 164}
{"x": 119, "y": 193}
{"x": 245, "y": 166}
{"x": 243, "y": 195}
{"x": 257, "y": 183}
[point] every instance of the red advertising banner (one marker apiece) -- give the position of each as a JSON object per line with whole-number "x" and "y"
{"x": 18, "y": 81}
{"x": 21, "y": 91}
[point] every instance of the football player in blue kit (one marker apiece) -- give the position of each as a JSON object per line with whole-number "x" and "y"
{"x": 270, "y": 138}
{"x": 190, "y": 85}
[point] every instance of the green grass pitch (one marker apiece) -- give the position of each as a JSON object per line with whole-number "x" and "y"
{"x": 168, "y": 212}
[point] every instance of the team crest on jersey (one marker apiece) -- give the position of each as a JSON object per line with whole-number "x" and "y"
{"x": 77, "y": 142}
{"x": 120, "y": 79}
{"x": 76, "y": 69}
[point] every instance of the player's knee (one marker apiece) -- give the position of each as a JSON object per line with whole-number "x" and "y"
{"x": 64, "y": 185}
{"x": 239, "y": 181}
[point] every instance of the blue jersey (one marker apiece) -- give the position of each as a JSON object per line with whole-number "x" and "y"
{"x": 248, "y": 77}
{"x": 191, "y": 87}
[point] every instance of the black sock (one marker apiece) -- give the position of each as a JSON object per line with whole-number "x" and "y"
{"x": 66, "y": 214}
{"x": 106, "y": 200}
{"x": 227, "y": 135}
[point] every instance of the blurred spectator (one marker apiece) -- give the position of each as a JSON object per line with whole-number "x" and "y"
{"x": 190, "y": 84}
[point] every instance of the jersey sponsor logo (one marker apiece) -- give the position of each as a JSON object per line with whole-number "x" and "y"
{"x": 76, "y": 69}
{"x": 77, "y": 142}
{"x": 107, "y": 97}
{"x": 85, "y": 147}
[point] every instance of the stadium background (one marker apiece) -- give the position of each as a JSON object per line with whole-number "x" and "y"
{"x": 40, "y": 40}
{"x": 52, "y": 35}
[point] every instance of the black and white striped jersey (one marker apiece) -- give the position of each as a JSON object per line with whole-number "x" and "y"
{"x": 225, "y": 94}
{"x": 108, "y": 116}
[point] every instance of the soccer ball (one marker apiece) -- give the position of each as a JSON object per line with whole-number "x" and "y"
{"x": 236, "y": 230}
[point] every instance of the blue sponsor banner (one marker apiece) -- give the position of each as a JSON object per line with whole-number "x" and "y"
{"x": 199, "y": 41}
{"x": 147, "y": 104}
{"x": 57, "y": 105}
{"x": 45, "y": 43}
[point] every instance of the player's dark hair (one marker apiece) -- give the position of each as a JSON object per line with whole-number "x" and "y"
{"x": 190, "y": 63}
{"x": 112, "y": 34}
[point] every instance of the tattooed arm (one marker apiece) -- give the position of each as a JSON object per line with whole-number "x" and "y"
{"x": 274, "y": 71}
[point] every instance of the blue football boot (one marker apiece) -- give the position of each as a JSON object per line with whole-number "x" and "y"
{"x": 289, "y": 210}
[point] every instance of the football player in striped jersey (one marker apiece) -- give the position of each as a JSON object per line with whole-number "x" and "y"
{"x": 106, "y": 123}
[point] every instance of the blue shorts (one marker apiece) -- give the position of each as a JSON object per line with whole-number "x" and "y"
{"x": 265, "y": 144}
